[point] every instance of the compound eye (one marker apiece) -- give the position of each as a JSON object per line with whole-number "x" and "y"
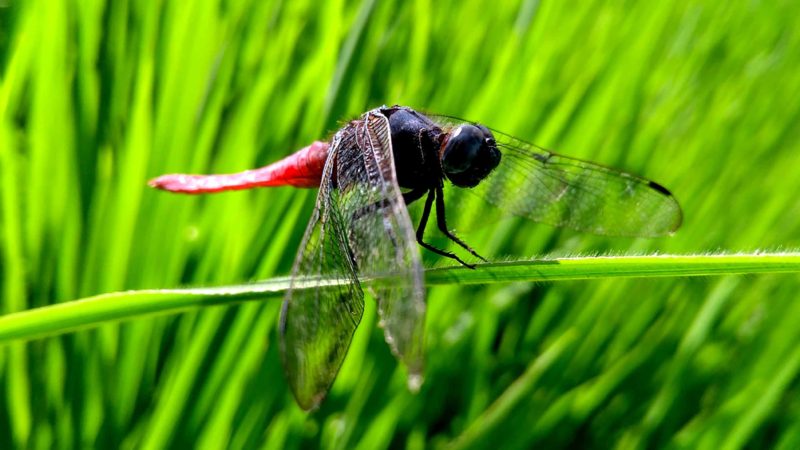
{"x": 462, "y": 149}
{"x": 470, "y": 155}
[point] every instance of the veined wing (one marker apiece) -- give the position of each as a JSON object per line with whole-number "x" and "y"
{"x": 554, "y": 189}
{"x": 360, "y": 228}
{"x": 383, "y": 240}
{"x": 324, "y": 303}
{"x": 546, "y": 187}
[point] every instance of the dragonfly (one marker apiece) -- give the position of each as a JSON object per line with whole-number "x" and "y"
{"x": 367, "y": 174}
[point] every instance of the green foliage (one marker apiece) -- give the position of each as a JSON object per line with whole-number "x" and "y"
{"x": 118, "y": 306}
{"x": 96, "y": 97}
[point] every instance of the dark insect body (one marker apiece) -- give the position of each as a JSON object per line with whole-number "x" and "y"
{"x": 370, "y": 171}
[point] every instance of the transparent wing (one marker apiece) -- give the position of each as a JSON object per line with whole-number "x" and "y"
{"x": 360, "y": 229}
{"x": 383, "y": 240}
{"x": 324, "y": 304}
{"x": 546, "y": 187}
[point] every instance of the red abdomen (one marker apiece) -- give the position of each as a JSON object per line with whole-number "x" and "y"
{"x": 300, "y": 169}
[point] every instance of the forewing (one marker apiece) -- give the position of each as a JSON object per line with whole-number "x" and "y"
{"x": 554, "y": 189}
{"x": 546, "y": 187}
{"x": 382, "y": 237}
{"x": 360, "y": 229}
{"x": 324, "y": 303}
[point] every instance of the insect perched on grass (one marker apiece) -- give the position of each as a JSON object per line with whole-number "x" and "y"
{"x": 370, "y": 171}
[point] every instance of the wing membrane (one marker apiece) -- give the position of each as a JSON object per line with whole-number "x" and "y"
{"x": 383, "y": 241}
{"x": 554, "y": 189}
{"x": 360, "y": 229}
{"x": 546, "y": 187}
{"x": 324, "y": 303}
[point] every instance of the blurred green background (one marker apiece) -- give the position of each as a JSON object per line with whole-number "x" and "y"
{"x": 96, "y": 97}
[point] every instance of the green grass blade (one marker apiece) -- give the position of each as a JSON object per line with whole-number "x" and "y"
{"x": 580, "y": 268}
{"x": 114, "y": 307}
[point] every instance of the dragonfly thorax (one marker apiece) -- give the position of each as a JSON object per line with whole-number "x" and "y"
{"x": 425, "y": 154}
{"x": 415, "y": 143}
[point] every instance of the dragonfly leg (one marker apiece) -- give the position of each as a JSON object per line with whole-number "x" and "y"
{"x": 442, "y": 223}
{"x": 426, "y": 212}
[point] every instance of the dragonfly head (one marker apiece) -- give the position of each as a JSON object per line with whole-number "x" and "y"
{"x": 469, "y": 155}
